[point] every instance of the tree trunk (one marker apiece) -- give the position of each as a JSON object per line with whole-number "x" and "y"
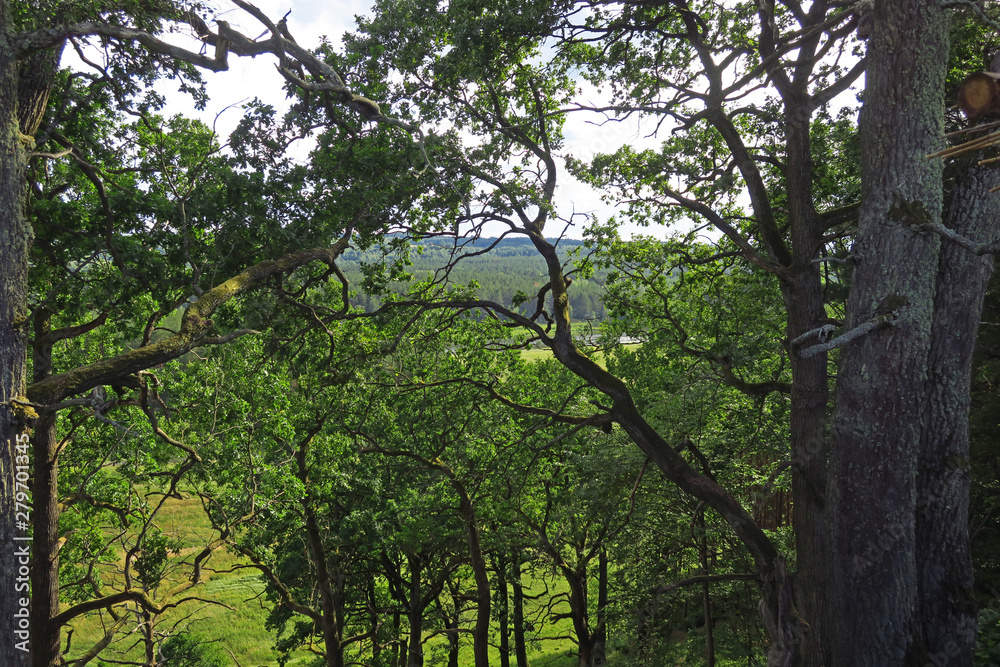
{"x": 147, "y": 630}
{"x": 330, "y": 600}
{"x": 415, "y": 615}
{"x": 399, "y": 645}
{"x": 481, "y": 631}
{"x": 15, "y": 235}
{"x": 503, "y": 612}
{"x": 577, "y": 581}
{"x": 374, "y": 622}
{"x": 883, "y": 374}
{"x": 45, "y": 649}
{"x": 803, "y": 298}
{"x": 600, "y": 656}
{"x": 706, "y": 599}
{"x": 451, "y": 625}
{"x": 520, "y": 645}
{"x": 477, "y": 561}
{"x": 944, "y": 561}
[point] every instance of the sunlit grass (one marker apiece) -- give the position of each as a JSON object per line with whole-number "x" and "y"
{"x": 237, "y": 620}
{"x": 543, "y": 353}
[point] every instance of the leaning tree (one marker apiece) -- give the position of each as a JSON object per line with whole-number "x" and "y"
{"x": 885, "y": 587}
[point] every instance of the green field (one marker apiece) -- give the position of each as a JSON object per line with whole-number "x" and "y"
{"x": 539, "y": 354}
{"x": 237, "y": 622}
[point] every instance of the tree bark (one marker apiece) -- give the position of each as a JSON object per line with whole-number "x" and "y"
{"x": 882, "y": 376}
{"x": 451, "y": 621}
{"x": 600, "y": 656}
{"x": 706, "y": 598}
{"x": 45, "y": 649}
{"x": 944, "y": 560}
{"x": 481, "y": 631}
{"x": 503, "y": 611}
{"x": 578, "y": 610}
{"x": 517, "y": 600}
{"x": 15, "y": 238}
{"x": 331, "y": 599}
{"x": 415, "y": 614}
{"x": 803, "y": 297}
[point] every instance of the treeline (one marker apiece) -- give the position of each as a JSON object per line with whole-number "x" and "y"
{"x": 511, "y": 273}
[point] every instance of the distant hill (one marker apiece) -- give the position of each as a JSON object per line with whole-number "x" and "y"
{"x": 512, "y": 266}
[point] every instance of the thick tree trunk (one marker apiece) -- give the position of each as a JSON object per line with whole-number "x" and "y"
{"x": 803, "y": 298}
{"x": 944, "y": 561}
{"x": 15, "y": 235}
{"x": 882, "y": 375}
{"x": 45, "y": 649}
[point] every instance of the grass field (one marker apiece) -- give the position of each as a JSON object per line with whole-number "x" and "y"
{"x": 238, "y": 623}
{"x": 538, "y": 354}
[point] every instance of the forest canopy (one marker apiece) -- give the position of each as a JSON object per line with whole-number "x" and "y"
{"x": 359, "y": 383}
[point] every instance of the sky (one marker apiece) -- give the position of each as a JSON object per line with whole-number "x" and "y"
{"x": 311, "y": 20}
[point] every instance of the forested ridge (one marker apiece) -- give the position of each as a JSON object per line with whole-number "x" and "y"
{"x": 511, "y": 273}
{"x": 337, "y": 389}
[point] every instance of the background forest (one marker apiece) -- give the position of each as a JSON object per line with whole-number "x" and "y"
{"x": 356, "y": 385}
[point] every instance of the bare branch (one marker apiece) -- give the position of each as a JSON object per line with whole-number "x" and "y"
{"x": 887, "y": 312}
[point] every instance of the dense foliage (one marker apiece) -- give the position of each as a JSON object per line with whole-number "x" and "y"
{"x": 312, "y": 385}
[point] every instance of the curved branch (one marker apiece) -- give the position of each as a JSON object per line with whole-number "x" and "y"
{"x": 720, "y": 223}
{"x": 195, "y": 326}
{"x": 47, "y": 38}
{"x": 131, "y": 595}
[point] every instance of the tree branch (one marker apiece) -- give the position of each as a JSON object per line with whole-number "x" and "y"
{"x": 958, "y": 239}
{"x": 195, "y": 326}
